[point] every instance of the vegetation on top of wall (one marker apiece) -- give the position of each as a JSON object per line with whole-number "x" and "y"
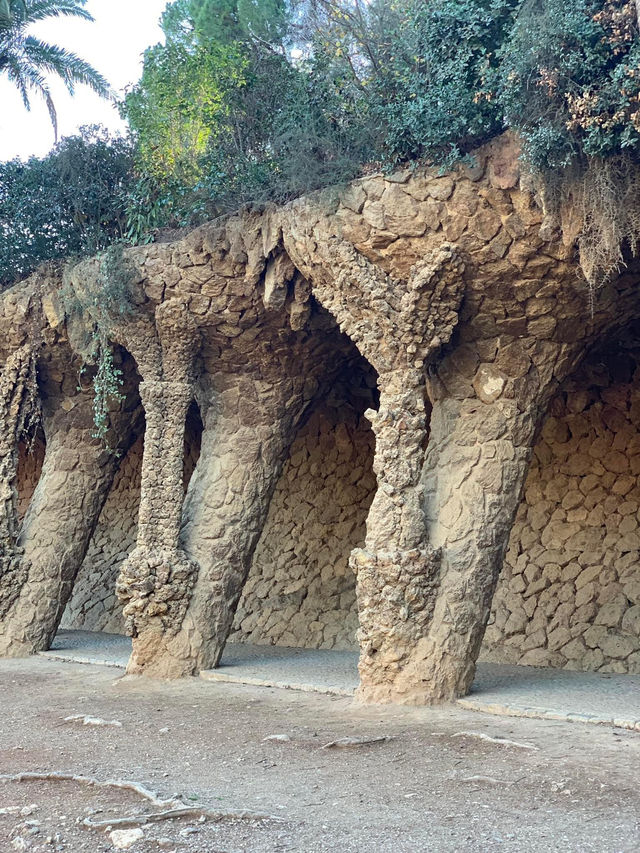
{"x": 302, "y": 95}
{"x": 254, "y": 100}
{"x": 297, "y": 95}
{"x": 71, "y": 202}
{"x": 570, "y": 80}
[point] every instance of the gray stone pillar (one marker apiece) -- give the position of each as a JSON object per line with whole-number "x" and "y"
{"x": 157, "y": 578}
{"x": 76, "y": 476}
{"x": 397, "y": 571}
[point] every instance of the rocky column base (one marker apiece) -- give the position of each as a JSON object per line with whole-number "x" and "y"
{"x": 396, "y": 595}
{"x": 155, "y": 587}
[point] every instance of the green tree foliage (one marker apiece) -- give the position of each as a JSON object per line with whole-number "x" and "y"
{"x": 254, "y": 100}
{"x": 570, "y": 80}
{"x": 427, "y": 70}
{"x": 266, "y": 22}
{"x": 72, "y": 202}
{"x": 28, "y": 61}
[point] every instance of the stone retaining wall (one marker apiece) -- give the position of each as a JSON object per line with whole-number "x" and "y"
{"x": 93, "y": 605}
{"x": 569, "y": 593}
{"x": 301, "y": 590}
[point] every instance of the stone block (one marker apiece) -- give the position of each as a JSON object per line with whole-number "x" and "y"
{"x": 631, "y": 621}
{"x": 618, "y": 646}
{"x": 574, "y": 650}
{"x": 611, "y": 614}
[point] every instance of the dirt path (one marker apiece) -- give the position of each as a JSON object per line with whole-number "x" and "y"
{"x": 428, "y": 787}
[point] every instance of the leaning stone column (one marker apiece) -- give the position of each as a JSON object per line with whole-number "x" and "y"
{"x": 76, "y": 476}
{"x": 397, "y": 571}
{"x": 249, "y": 426}
{"x": 17, "y": 375}
{"x": 475, "y": 470}
{"x": 157, "y": 578}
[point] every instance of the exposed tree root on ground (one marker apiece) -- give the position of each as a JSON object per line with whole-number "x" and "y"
{"x": 174, "y": 806}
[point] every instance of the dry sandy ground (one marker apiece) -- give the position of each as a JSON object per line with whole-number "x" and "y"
{"x": 426, "y": 788}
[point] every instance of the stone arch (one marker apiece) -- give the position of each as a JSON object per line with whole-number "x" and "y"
{"x": 75, "y": 478}
{"x": 569, "y": 592}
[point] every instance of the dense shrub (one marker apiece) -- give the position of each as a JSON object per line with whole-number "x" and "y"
{"x": 570, "y": 80}
{"x": 308, "y": 93}
{"x": 72, "y": 202}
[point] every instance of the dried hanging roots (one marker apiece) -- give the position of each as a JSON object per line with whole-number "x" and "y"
{"x": 598, "y": 204}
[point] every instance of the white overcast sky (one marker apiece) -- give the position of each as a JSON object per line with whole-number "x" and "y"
{"x": 113, "y": 43}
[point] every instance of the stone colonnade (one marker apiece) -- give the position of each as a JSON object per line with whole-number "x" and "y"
{"x": 453, "y": 293}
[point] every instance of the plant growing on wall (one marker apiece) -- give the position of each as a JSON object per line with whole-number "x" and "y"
{"x": 91, "y": 307}
{"x": 570, "y": 86}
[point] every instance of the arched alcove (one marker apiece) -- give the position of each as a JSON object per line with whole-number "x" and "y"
{"x": 301, "y": 591}
{"x": 569, "y": 592}
{"x": 30, "y": 458}
{"x": 93, "y": 605}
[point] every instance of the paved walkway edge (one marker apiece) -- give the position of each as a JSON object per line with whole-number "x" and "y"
{"x": 216, "y": 675}
{"x": 74, "y": 657}
{"x": 546, "y": 714}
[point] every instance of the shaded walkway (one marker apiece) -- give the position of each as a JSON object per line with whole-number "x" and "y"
{"x": 520, "y": 691}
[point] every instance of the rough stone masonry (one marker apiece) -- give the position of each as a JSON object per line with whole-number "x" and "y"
{"x": 447, "y": 312}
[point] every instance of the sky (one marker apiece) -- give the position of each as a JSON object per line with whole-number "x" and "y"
{"x": 113, "y": 43}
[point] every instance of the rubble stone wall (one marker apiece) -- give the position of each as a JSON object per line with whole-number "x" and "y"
{"x": 301, "y": 590}
{"x": 569, "y": 593}
{"x": 93, "y": 605}
{"x": 453, "y": 287}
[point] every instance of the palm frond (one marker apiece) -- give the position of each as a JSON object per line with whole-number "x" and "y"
{"x": 11, "y": 11}
{"x": 71, "y": 69}
{"x": 38, "y": 10}
{"x": 27, "y": 60}
{"x": 53, "y": 115}
{"x": 25, "y": 77}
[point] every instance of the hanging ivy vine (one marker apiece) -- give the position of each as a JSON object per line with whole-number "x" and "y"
{"x": 91, "y": 308}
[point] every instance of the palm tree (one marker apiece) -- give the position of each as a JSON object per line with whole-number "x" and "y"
{"x": 27, "y": 61}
